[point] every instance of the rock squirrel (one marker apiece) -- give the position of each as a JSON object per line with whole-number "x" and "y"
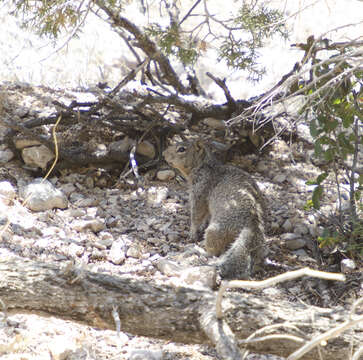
{"x": 225, "y": 203}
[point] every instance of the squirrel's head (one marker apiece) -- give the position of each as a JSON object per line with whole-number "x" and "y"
{"x": 186, "y": 156}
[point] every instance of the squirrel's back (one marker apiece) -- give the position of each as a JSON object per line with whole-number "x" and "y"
{"x": 227, "y": 203}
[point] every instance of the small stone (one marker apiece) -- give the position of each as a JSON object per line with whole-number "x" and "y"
{"x": 7, "y": 192}
{"x": 295, "y": 244}
{"x": 37, "y": 156}
{"x": 105, "y": 238}
{"x": 347, "y": 266}
{"x": 134, "y": 252}
{"x": 3, "y": 217}
{"x": 302, "y": 254}
{"x": 117, "y": 252}
{"x": 173, "y": 236}
{"x": 89, "y": 182}
{"x": 61, "y": 347}
{"x": 94, "y": 225}
{"x": 204, "y": 276}
{"x": 121, "y": 146}
{"x": 289, "y": 236}
{"x": 161, "y": 194}
{"x": 301, "y": 229}
{"x": 275, "y": 226}
{"x": 156, "y": 195}
{"x": 168, "y": 267}
{"x": 111, "y": 221}
{"x": 165, "y": 175}
{"x": 68, "y": 189}
{"x": 99, "y": 245}
{"x": 287, "y": 225}
{"x": 21, "y": 143}
{"x": 262, "y": 167}
{"x": 75, "y": 250}
{"x": 115, "y": 339}
{"x": 5, "y": 156}
{"x": 41, "y": 195}
{"x": 214, "y": 123}
{"x": 279, "y": 178}
{"x": 86, "y": 202}
{"x": 147, "y": 149}
{"x": 141, "y": 354}
{"x": 75, "y": 213}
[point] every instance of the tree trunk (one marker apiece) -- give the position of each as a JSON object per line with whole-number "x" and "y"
{"x": 149, "y": 309}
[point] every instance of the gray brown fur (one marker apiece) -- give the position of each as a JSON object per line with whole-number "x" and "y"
{"x": 227, "y": 203}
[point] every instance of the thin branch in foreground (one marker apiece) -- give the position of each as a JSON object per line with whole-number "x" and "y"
{"x": 321, "y": 339}
{"x": 285, "y": 325}
{"x": 244, "y": 284}
{"x": 358, "y": 353}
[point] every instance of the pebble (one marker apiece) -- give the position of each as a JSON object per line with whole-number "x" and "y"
{"x": 147, "y": 149}
{"x": 165, "y": 175}
{"x": 214, "y": 123}
{"x": 289, "y": 236}
{"x": 37, "y": 156}
{"x": 168, "y": 267}
{"x": 143, "y": 354}
{"x": 7, "y": 192}
{"x": 94, "y": 225}
{"x": 41, "y": 195}
{"x": 111, "y": 221}
{"x": 75, "y": 250}
{"x": 279, "y": 178}
{"x": 75, "y": 213}
{"x": 86, "y": 202}
{"x": 347, "y": 266}
{"x": 204, "y": 276}
{"x": 61, "y": 347}
{"x": 117, "y": 252}
{"x": 68, "y": 188}
{"x": 295, "y": 244}
{"x": 301, "y": 229}
{"x": 287, "y": 225}
{"x": 5, "y": 156}
{"x": 105, "y": 238}
{"x": 134, "y": 252}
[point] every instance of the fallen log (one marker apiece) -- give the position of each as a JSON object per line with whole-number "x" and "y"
{"x": 148, "y": 308}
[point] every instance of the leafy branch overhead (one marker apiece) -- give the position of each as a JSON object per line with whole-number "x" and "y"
{"x": 185, "y": 37}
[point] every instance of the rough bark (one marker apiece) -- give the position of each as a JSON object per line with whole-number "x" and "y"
{"x": 157, "y": 310}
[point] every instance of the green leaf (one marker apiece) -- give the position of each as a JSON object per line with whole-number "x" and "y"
{"x": 308, "y": 205}
{"x": 347, "y": 120}
{"x": 331, "y": 124}
{"x": 318, "y": 150}
{"x": 317, "y": 194}
{"x": 321, "y": 119}
{"x": 311, "y": 182}
{"x": 357, "y": 195}
{"x": 314, "y": 132}
{"x": 329, "y": 154}
{"x": 321, "y": 178}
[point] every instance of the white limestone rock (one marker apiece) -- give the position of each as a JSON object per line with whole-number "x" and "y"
{"x": 41, "y": 195}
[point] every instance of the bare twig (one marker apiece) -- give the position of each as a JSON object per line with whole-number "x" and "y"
{"x": 145, "y": 44}
{"x": 332, "y": 333}
{"x": 244, "y": 284}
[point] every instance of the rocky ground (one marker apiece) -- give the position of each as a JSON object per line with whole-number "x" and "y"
{"x": 77, "y": 216}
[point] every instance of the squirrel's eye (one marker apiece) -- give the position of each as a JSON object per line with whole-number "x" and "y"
{"x": 181, "y": 149}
